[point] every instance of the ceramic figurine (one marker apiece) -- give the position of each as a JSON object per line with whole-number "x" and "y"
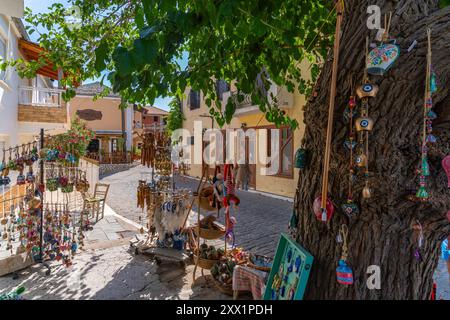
{"x": 350, "y": 208}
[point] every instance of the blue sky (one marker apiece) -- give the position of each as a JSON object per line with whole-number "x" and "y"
{"x": 42, "y": 6}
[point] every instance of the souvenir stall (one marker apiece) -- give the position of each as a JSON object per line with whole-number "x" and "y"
{"x": 166, "y": 206}
{"x": 37, "y": 226}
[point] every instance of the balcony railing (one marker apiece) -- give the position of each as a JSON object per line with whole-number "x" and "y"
{"x": 40, "y": 97}
{"x": 242, "y": 100}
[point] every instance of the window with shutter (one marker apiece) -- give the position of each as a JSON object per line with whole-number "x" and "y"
{"x": 194, "y": 99}
{"x": 221, "y": 87}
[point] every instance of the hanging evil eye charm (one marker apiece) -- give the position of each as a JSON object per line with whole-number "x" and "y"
{"x": 349, "y": 112}
{"x": 30, "y": 177}
{"x": 350, "y": 143}
{"x": 431, "y": 138}
{"x": 422, "y": 194}
{"x": 350, "y": 208}
{"x": 367, "y": 90}
{"x": 364, "y": 124}
{"x": 433, "y": 83}
{"x": 425, "y": 168}
{"x": 21, "y": 179}
{"x": 344, "y": 273}
{"x": 361, "y": 160}
{"x": 431, "y": 115}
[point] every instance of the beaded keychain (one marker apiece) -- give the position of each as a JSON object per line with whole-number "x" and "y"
{"x": 428, "y": 116}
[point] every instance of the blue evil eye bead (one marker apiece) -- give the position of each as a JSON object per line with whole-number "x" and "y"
{"x": 350, "y": 144}
{"x": 367, "y": 90}
{"x": 6, "y": 181}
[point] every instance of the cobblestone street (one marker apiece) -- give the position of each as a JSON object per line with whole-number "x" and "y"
{"x": 260, "y": 219}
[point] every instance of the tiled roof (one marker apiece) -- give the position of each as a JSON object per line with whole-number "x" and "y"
{"x": 154, "y": 111}
{"x": 91, "y": 89}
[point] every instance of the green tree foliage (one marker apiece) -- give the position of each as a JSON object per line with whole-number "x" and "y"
{"x": 139, "y": 43}
{"x": 175, "y": 117}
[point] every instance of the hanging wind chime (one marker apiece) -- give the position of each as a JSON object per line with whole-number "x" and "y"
{"x": 364, "y": 125}
{"x": 349, "y": 207}
{"x": 323, "y": 207}
{"x": 427, "y": 130}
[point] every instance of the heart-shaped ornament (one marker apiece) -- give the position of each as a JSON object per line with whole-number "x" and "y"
{"x": 381, "y": 58}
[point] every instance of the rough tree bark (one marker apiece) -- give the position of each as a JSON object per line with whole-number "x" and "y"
{"x": 381, "y": 234}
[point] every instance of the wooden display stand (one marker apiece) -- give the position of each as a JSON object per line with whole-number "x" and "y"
{"x": 197, "y": 250}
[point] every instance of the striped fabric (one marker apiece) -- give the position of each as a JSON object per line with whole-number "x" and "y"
{"x": 249, "y": 279}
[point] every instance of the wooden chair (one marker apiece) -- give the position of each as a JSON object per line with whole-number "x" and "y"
{"x": 96, "y": 203}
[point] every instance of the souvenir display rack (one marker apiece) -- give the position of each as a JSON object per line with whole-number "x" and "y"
{"x": 166, "y": 205}
{"x": 43, "y": 230}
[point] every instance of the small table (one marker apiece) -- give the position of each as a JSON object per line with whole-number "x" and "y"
{"x": 249, "y": 279}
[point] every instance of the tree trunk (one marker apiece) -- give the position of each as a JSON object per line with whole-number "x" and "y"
{"x": 381, "y": 234}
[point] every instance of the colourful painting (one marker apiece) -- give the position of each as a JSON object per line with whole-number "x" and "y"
{"x": 290, "y": 271}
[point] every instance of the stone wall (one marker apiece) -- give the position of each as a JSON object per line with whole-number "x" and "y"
{"x": 108, "y": 169}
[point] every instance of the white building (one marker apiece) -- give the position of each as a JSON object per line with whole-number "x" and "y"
{"x": 26, "y": 105}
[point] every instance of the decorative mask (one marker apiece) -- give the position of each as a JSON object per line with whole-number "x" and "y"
{"x": 381, "y": 58}
{"x": 367, "y": 90}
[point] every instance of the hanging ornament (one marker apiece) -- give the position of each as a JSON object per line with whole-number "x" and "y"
{"x": 301, "y": 157}
{"x": 344, "y": 273}
{"x": 382, "y": 57}
{"x": 323, "y": 215}
{"x": 350, "y": 208}
{"x": 417, "y": 252}
{"x": 427, "y": 129}
{"x": 446, "y": 166}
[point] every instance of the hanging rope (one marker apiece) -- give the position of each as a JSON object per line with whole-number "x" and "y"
{"x": 343, "y": 231}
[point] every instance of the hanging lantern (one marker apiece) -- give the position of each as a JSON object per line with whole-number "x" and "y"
{"x": 381, "y": 58}
{"x": 301, "y": 158}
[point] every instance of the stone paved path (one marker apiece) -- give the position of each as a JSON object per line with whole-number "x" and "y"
{"x": 112, "y": 273}
{"x": 260, "y": 219}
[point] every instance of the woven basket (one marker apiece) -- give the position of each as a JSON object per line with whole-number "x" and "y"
{"x": 210, "y": 233}
{"x": 205, "y": 263}
{"x": 225, "y": 289}
{"x": 251, "y": 265}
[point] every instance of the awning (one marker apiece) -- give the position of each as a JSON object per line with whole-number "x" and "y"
{"x": 32, "y": 51}
{"x": 13, "y": 8}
